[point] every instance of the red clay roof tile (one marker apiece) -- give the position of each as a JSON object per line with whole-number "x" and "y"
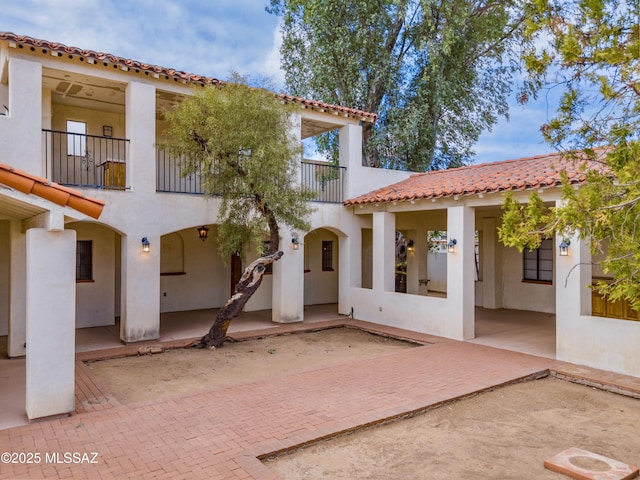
{"x": 58, "y": 194}
{"x": 170, "y": 72}
{"x": 525, "y": 173}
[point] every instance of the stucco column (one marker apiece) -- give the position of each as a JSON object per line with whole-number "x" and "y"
{"x": 24, "y": 125}
{"x": 412, "y": 263}
{"x": 384, "y": 252}
{"x": 140, "y": 298}
{"x": 490, "y": 258}
{"x": 17, "y": 290}
{"x": 141, "y": 131}
{"x": 287, "y": 294}
{"x": 572, "y": 276}
{"x": 350, "y": 154}
{"x": 50, "y": 314}
{"x": 460, "y": 271}
{"x": 420, "y": 256}
{"x": 349, "y": 267}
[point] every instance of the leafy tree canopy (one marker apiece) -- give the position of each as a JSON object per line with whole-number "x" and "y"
{"x": 239, "y": 140}
{"x": 591, "y": 49}
{"x": 437, "y": 72}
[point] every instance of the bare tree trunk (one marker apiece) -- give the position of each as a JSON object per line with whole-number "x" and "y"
{"x": 246, "y": 287}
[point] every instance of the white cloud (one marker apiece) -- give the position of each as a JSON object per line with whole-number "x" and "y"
{"x": 271, "y": 66}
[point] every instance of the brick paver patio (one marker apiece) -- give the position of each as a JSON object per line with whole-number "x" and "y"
{"x": 220, "y": 434}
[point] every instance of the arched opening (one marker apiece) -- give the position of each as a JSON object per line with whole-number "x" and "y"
{"x": 321, "y": 268}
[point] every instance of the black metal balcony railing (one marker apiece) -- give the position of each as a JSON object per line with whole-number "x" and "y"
{"x": 169, "y": 177}
{"x": 325, "y": 180}
{"x": 80, "y": 160}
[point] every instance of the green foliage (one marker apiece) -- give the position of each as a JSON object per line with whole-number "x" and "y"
{"x": 591, "y": 48}
{"x": 238, "y": 139}
{"x": 437, "y": 72}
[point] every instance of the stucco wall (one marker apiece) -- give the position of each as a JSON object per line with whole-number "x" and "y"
{"x": 95, "y": 119}
{"x": 437, "y": 271}
{"x": 605, "y": 343}
{"x": 4, "y": 276}
{"x": 413, "y": 312}
{"x": 204, "y": 281}
{"x": 520, "y": 295}
{"x": 95, "y": 301}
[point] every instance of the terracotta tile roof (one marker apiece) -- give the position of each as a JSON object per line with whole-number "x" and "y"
{"x": 525, "y": 173}
{"x": 134, "y": 65}
{"x": 58, "y": 194}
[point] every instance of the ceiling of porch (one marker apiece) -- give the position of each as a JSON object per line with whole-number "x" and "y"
{"x": 12, "y": 208}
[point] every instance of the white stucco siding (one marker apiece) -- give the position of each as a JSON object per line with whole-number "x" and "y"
{"x": 519, "y": 295}
{"x": 605, "y": 343}
{"x": 418, "y": 313}
{"x": 204, "y": 279}
{"x": 5, "y": 249}
{"x": 95, "y": 119}
{"x": 20, "y": 132}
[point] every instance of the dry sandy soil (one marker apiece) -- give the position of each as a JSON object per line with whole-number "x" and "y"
{"x": 135, "y": 379}
{"x": 503, "y": 434}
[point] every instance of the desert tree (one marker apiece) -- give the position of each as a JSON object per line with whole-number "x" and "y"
{"x": 437, "y": 72}
{"x": 239, "y": 140}
{"x": 591, "y": 50}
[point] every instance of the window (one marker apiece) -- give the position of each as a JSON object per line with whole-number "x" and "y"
{"x": 327, "y": 255}
{"x": 84, "y": 260}
{"x": 538, "y": 263}
{"x": 76, "y": 138}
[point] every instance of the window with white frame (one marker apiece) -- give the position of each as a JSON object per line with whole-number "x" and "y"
{"x": 76, "y": 138}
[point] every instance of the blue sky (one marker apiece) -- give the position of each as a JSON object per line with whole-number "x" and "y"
{"x": 213, "y": 38}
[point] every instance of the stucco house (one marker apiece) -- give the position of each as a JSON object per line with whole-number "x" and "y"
{"x": 97, "y": 226}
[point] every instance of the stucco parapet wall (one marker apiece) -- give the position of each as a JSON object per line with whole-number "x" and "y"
{"x": 31, "y": 184}
{"x": 538, "y": 172}
{"x": 162, "y": 73}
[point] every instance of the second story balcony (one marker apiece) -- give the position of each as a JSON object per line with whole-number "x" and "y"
{"x": 81, "y": 160}
{"x": 326, "y": 181}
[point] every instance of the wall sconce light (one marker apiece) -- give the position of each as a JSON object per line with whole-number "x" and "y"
{"x": 203, "y": 231}
{"x": 295, "y": 243}
{"x": 107, "y": 131}
{"x": 451, "y": 246}
{"x": 410, "y": 246}
{"x": 145, "y": 245}
{"x": 564, "y": 247}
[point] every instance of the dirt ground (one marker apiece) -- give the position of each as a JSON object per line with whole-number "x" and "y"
{"x": 503, "y": 434}
{"x": 135, "y": 379}
{"x": 506, "y": 433}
